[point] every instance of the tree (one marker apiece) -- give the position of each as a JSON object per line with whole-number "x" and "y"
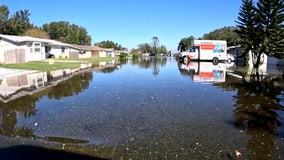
{"x": 246, "y": 24}
{"x": 185, "y": 44}
{"x": 145, "y": 48}
{"x": 110, "y": 44}
{"x": 19, "y": 23}
{"x": 270, "y": 18}
{"x": 261, "y": 28}
{"x": 36, "y": 32}
{"x": 155, "y": 48}
{"x": 225, "y": 33}
{"x": 4, "y": 14}
{"x": 163, "y": 49}
{"x": 67, "y": 33}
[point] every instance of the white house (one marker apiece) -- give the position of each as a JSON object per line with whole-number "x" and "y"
{"x": 80, "y": 51}
{"x": 20, "y": 49}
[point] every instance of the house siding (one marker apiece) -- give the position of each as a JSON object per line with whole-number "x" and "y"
{"x": 57, "y": 51}
{"x": 31, "y": 54}
{"x": 14, "y": 52}
{"x": 19, "y": 49}
{"x": 75, "y": 53}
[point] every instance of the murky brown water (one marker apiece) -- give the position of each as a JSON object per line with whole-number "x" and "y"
{"x": 149, "y": 109}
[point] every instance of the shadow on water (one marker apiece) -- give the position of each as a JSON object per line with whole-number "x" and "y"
{"x": 258, "y": 108}
{"x": 257, "y": 112}
{"x": 26, "y": 152}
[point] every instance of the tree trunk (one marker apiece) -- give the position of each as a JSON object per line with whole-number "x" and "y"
{"x": 256, "y": 63}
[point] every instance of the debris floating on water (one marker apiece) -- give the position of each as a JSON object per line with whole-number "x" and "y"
{"x": 238, "y": 154}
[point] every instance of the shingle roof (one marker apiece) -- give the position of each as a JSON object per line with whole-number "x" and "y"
{"x": 18, "y": 39}
{"x": 90, "y": 48}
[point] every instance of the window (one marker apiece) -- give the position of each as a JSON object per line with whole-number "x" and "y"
{"x": 37, "y": 47}
{"x": 62, "y": 49}
{"x": 192, "y": 50}
{"x": 30, "y": 45}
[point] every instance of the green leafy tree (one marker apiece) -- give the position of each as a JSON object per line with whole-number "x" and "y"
{"x": 155, "y": 47}
{"x": 163, "y": 49}
{"x": 225, "y": 33}
{"x": 57, "y": 30}
{"x": 67, "y": 33}
{"x": 185, "y": 44}
{"x": 4, "y": 15}
{"x": 145, "y": 48}
{"x": 17, "y": 24}
{"x": 110, "y": 44}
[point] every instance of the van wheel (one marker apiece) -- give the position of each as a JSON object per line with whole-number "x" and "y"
{"x": 229, "y": 60}
{"x": 215, "y": 61}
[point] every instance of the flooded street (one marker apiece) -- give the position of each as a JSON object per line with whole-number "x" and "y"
{"x": 152, "y": 108}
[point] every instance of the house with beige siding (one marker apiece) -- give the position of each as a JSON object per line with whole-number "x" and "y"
{"x": 80, "y": 51}
{"x": 102, "y": 52}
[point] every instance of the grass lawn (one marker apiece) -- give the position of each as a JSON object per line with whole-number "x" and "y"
{"x": 58, "y": 64}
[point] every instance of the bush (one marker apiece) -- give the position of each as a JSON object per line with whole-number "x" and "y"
{"x": 123, "y": 55}
{"x": 51, "y": 56}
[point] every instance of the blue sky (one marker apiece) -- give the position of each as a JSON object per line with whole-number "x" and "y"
{"x": 133, "y": 22}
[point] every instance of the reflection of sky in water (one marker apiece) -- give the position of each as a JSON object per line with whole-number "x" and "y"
{"x": 111, "y": 98}
{"x": 132, "y": 107}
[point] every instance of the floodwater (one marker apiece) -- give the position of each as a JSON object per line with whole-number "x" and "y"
{"x": 153, "y": 108}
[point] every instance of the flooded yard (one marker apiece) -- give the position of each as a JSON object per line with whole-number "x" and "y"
{"x": 152, "y": 108}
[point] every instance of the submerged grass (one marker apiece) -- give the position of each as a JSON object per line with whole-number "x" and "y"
{"x": 58, "y": 64}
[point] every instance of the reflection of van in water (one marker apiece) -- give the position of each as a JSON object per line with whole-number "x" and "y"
{"x": 205, "y": 71}
{"x": 207, "y": 50}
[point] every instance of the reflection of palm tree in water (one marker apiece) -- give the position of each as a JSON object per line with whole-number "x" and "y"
{"x": 258, "y": 120}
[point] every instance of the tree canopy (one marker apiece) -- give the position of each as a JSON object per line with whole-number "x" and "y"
{"x": 68, "y": 33}
{"x": 226, "y": 33}
{"x": 246, "y": 24}
{"x": 19, "y": 24}
{"x": 154, "y": 48}
{"x": 185, "y": 44}
{"x": 15, "y": 24}
{"x": 261, "y": 29}
{"x": 110, "y": 44}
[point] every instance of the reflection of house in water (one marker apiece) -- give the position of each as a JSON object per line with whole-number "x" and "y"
{"x": 106, "y": 64}
{"x": 31, "y": 81}
{"x": 206, "y": 71}
{"x": 16, "y": 86}
{"x": 243, "y": 59}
